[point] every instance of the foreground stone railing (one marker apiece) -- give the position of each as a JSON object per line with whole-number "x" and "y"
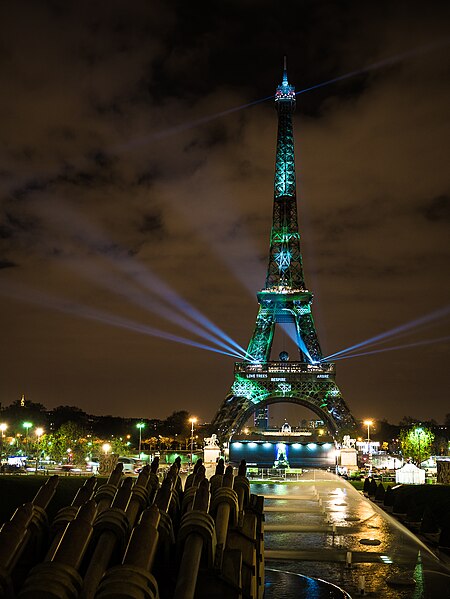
{"x": 142, "y": 539}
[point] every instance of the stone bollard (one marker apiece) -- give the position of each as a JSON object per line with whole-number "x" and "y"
{"x": 244, "y": 536}
{"x": 133, "y": 578}
{"x": 242, "y": 487}
{"x": 165, "y": 553}
{"x": 216, "y": 479}
{"x": 153, "y": 480}
{"x": 174, "y": 509}
{"x": 224, "y": 509}
{"x": 190, "y": 479}
{"x": 189, "y": 495}
{"x": 256, "y": 506}
{"x": 36, "y": 540}
{"x": 178, "y": 483}
{"x": 68, "y": 513}
{"x": 139, "y": 496}
{"x": 105, "y": 494}
{"x": 196, "y": 538}
{"x": 111, "y": 529}
{"x": 59, "y": 578}
{"x": 12, "y": 536}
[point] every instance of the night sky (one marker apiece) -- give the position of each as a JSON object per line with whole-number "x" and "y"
{"x": 120, "y": 194}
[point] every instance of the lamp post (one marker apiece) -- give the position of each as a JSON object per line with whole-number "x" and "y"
{"x": 106, "y": 448}
{"x": 192, "y": 421}
{"x": 140, "y": 426}
{"x": 419, "y": 431}
{"x": 39, "y": 432}
{"x": 369, "y": 423}
{"x": 3, "y": 427}
{"x": 27, "y": 426}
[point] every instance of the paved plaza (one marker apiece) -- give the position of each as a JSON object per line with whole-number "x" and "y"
{"x": 322, "y": 527}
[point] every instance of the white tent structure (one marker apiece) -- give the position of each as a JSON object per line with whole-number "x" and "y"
{"x": 410, "y": 475}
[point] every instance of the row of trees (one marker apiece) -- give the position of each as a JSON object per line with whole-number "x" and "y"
{"x": 69, "y": 434}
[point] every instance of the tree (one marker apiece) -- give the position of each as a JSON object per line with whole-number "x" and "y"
{"x": 177, "y": 424}
{"x": 62, "y": 414}
{"x": 69, "y": 442}
{"x": 21, "y": 411}
{"x": 416, "y": 443}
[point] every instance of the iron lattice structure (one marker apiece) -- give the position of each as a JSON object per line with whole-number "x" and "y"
{"x": 310, "y": 381}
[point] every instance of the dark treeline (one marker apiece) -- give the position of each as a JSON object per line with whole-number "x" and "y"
{"x": 25, "y": 411}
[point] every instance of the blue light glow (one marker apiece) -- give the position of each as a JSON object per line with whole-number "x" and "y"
{"x": 412, "y": 324}
{"x": 30, "y": 295}
{"x": 253, "y": 445}
{"x": 296, "y": 445}
{"x": 327, "y": 445}
{"x": 237, "y": 444}
{"x": 397, "y": 347}
{"x": 267, "y": 444}
{"x": 311, "y": 446}
{"x": 118, "y": 258}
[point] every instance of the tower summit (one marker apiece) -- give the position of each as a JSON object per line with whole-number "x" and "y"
{"x": 260, "y": 381}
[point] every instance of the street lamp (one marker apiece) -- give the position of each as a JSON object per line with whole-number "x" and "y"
{"x": 140, "y": 426}
{"x": 39, "y": 432}
{"x": 419, "y": 431}
{"x": 192, "y": 421}
{"x": 3, "y": 427}
{"x": 369, "y": 423}
{"x": 27, "y": 426}
{"x": 106, "y": 448}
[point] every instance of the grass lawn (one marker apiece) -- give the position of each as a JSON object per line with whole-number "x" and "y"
{"x": 358, "y": 484}
{"x": 17, "y": 490}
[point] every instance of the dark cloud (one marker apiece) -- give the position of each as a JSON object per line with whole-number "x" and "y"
{"x": 7, "y": 264}
{"x": 437, "y": 209}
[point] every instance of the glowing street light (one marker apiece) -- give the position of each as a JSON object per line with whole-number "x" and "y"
{"x": 140, "y": 426}
{"x": 27, "y": 426}
{"x": 39, "y": 432}
{"x": 369, "y": 423}
{"x": 106, "y": 448}
{"x": 192, "y": 420}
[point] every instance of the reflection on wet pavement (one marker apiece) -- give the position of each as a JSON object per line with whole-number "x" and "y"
{"x": 322, "y": 527}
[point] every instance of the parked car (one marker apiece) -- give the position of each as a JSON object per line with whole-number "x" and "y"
{"x": 130, "y": 465}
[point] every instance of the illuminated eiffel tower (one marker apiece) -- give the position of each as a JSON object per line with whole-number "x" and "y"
{"x": 259, "y": 381}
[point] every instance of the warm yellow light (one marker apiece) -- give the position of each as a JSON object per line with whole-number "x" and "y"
{"x": 246, "y": 431}
{"x": 3, "y": 427}
{"x": 39, "y": 431}
{"x": 368, "y": 422}
{"x": 193, "y": 420}
{"x": 106, "y": 447}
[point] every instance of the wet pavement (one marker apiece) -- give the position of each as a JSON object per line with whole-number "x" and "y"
{"x": 319, "y": 524}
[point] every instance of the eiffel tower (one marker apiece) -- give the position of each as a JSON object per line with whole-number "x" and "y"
{"x": 285, "y": 299}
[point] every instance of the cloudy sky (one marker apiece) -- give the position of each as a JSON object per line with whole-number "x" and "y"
{"x": 137, "y": 186}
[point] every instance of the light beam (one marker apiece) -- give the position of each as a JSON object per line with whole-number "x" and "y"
{"x": 408, "y": 326}
{"x": 404, "y": 346}
{"x": 29, "y": 295}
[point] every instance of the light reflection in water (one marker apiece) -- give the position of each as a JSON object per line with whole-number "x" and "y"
{"x": 396, "y": 556}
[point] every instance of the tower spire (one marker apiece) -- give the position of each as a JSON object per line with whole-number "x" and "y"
{"x": 285, "y": 264}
